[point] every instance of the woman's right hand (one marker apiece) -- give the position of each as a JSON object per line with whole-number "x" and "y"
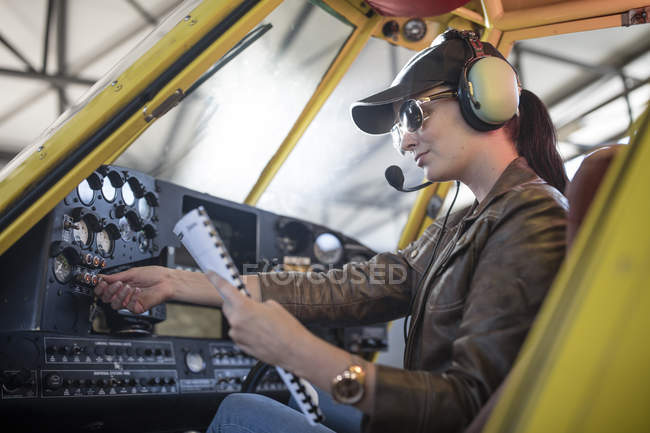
{"x": 137, "y": 289}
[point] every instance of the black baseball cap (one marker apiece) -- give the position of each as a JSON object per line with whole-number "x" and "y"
{"x": 438, "y": 64}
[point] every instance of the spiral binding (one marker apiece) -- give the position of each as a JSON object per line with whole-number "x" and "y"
{"x": 296, "y": 385}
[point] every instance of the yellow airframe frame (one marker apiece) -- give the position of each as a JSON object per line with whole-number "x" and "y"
{"x": 584, "y": 365}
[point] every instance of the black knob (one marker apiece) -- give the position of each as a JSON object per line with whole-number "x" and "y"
{"x": 77, "y": 213}
{"x": 142, "y": 381}
{"x": 132, "y": 382}
{"x": 136, "y": 187}
{"x": 109, "y": 350}
{"x": 103, "y": 383}
{"x": 152, "y": 199}
{"x": 139, "y": 351}
{"x": 168, "y": 353}
{"x": 129, "y": 351}
{"x": 158, "y": 352}
{"x": 119, "y": 350}
{"x": 154, "y": 381}
{"x": 116, "y": 179}
{"x": 113, "y": 231}
{"x": 134, "y": 220}
{"x": 13, "y": 381}
{"x": 51, "y": 350}
{"x": 99, "y": 350}
{"x": 95, "y": 181}
{"x": 119, "y": 211}
{"x": 93, "y": 223}
{"x": 148, "y": 352}
{"x": 150, "y": 231}
{"x": 53, "y": 381}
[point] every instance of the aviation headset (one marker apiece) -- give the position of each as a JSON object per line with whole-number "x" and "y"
{"x": 488, "y": 88}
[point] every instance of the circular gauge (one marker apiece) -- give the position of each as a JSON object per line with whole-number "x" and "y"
{"x": 328, "y": 249}
{"x": 414, "y": 29}
{"x": 82, "y": 234}
{"x": 293, "y": 236}
{"x": 108, "y": 190}
{"x": 125, "y": 229}
{"x": 144, "y": 209}
{"x": 127, "y": 194}
{"x": 85, "y": 192}
{"x": 62, "y": 269}
{"x": 195, "y": 362}
{"x": 104, "y": 243}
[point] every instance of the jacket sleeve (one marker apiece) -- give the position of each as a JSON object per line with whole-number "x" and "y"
{"x": 375, "y": 291}
{"x": 514, "y": 270}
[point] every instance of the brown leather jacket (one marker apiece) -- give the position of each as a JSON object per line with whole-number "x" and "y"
{"x": 491, "y": 272}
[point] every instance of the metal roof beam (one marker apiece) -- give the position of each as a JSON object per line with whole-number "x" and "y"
{"x": 46, "y": 41}
{"x": 7, "y": 155}
{"x": 17, "y": 53}
{"x": 560, "y": 95}
{"x": 602, "y": 69}
{"x": 146, "y": 15}
{"x": 57, "y": 80}
{"x": 61, "y": 49}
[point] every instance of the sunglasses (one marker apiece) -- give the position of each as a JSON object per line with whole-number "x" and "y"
{"x": 411, "y": 117}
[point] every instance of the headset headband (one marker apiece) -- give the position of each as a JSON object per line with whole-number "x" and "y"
{"x": 474, "y": 43}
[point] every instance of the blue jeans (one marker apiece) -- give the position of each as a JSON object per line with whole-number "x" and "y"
{"x": 254, "y": 413}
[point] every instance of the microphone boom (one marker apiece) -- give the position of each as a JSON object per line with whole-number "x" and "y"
{"x": 395, "y": 178}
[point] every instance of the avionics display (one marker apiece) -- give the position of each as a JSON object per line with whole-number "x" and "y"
{"x": 238, "y": 229}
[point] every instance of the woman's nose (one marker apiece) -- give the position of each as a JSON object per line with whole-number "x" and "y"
{"x": 408, "y": 142}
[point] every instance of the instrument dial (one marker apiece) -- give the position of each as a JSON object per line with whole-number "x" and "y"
{"x": 108, "y": 190}
{"x": 127, "y": 194}
{"x": 125, "y": 229}
{"x": 62, "y": 269}
{"x": 85, "y": 193}
{"x": 81, "y": 234}
{"x": 104, "y": 243}
{"x": 195, "y": 362}
{"x": 144, "y": 209}
{"x": 328, "y": 249}
{"x": 143, "y": 243}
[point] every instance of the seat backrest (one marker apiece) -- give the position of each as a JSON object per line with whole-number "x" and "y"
{"x": 581, "y": 190}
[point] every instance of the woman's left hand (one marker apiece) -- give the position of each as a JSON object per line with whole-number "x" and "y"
{"x": 264, "y": 330}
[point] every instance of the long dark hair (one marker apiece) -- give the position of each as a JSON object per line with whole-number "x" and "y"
{"x": 534, "y": 134}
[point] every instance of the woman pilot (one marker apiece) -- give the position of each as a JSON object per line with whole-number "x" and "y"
{"x": 472, "y": 283}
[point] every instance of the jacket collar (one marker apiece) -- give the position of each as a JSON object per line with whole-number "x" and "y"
{"x": 516, "y": 173}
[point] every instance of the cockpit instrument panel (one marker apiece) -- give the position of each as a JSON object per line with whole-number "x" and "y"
{"x": 119, "y": 218}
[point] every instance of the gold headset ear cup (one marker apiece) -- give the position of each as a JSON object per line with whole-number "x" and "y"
{"x": 488, "y": 93}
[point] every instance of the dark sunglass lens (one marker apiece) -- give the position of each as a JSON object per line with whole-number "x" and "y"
{"x": 410, "y": 115}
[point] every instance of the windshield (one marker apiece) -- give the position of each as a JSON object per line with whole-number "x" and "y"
{"x": 222, "y": 135}
{"x": 220, "y": 138}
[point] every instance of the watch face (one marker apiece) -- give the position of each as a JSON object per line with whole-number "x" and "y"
{"x": 348, "y": 387}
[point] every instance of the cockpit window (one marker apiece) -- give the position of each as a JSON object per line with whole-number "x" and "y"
{"x": 219, "y": 139}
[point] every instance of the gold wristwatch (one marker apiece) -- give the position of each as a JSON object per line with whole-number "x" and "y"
{"x": 348, "y": 387}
